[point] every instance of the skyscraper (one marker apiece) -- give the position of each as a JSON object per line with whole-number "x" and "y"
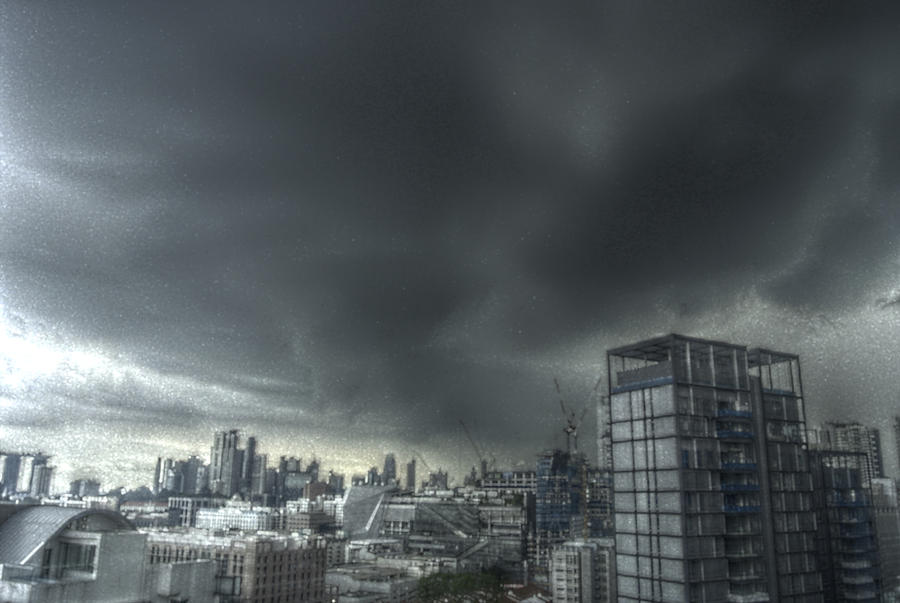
{"x": 411, "y": 475}
{"x": 713, "y": 494}
{"x": 225, "y": 466}
{"x": 390, "y": 470}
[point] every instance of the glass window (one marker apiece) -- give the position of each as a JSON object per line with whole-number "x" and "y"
{"x": 621, "y": 407}
{"x": 623, "y": 480}
{"x": 624, "y": 501}
{"x": 667, "y": 480}
{"x": 669, "y": 501}
{"x": 625, "y": 544}
{"x": 637, "y": 404}
{"x": 624, "y": 522}
{"x": 670, "y": 524}
{"x": 645, "y": 566}
{"x": 663, "y": 400}
{"x": 670, "y": 568}
{"x": 621, "y": 431}
{"x": 666, "y": 455}
{"x": 637, "y": 429}
{"x": 622, "y": 457}
{"x": 664, "y": 426}
{"x": 626, "y": 564}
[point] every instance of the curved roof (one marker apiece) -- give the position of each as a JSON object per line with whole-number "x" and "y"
{"x": 25, "y": 531}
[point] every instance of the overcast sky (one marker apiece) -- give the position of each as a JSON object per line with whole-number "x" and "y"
{"x": 345, "y": 227}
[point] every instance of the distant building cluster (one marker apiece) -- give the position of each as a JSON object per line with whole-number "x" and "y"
{"x": 711, "y": 488}
{"x": 24, "y": 475}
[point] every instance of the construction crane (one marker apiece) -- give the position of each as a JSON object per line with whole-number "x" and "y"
{"x": 482, "y": 458}
{"x": 571, "y": 428}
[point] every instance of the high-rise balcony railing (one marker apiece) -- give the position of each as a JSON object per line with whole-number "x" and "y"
{"x": 731, "y": 412}
{"x": 729, "y": 434}
{"x": 740, "y": 508}
{"x": 738, "y": 466}
{"x": 740, "y": 487}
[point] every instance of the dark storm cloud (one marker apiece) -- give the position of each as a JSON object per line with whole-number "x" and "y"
{"x": 385, "y": 218}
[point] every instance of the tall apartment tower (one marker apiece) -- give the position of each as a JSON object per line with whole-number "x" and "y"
{"x": 225, "y": 466}
{"x": 855, "y": 437}
{"x": 411, "y": 475}
{"x": 713, "y": 494}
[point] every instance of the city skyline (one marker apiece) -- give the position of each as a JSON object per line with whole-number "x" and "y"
{"x": 346, "y": 229}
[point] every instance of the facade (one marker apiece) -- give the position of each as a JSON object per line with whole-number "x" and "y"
{"x": 846, "y": 542}
{"x": 583, "y": 571}
{"x": 250, "y": 568}
{"x": 713, "y": 495}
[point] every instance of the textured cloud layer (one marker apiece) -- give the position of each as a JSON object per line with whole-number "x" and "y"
{"x": 346, "y": 228}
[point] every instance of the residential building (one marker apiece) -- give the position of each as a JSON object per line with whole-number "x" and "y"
{"x": 846, "y": 543}
{"x": 855, "y": 437}
{"x": 887, "y": 529}
{"x": 583, "y": 571}
{"x": 713, "y": 494}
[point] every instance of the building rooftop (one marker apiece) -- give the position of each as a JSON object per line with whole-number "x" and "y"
{"x": 25, "y": 530}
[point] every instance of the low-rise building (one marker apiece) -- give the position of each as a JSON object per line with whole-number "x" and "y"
{"x": 250, "y": 568}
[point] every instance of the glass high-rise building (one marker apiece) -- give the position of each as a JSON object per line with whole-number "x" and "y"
{"x": 713, "y": 494}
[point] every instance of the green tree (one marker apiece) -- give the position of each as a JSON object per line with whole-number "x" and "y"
{"x": 459, "y": 588}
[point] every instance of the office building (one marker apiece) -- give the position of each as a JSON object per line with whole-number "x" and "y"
{"x": 713, "y": 494}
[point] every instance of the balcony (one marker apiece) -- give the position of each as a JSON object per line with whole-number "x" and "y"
{"x": 857, "y": 565}
{"x": 731, "y": 434}
{"x": 740, "y": 487}
{"x": 730, "y": 412}
{"x": 740, "y": 466}
{"x": 740, "y": 508}
{"x": 857, "y": 579}
{"x": 758, "y": 597}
